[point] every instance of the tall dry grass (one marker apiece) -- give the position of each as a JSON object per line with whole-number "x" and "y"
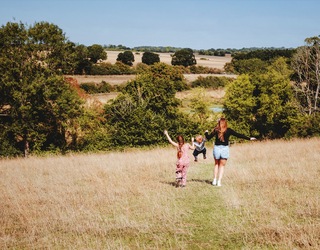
{"x": 126, "y": 200}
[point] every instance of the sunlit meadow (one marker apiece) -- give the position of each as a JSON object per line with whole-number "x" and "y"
{"x": 269, "y": 199}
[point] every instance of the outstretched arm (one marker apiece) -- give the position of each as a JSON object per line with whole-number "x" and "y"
{"x": 169, "y": 139}
{"x": 242, "y": 136}
{"x": 207, "y": 135}
{"x": 192, "y": 146}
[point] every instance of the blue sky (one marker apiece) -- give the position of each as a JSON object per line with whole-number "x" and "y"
{"x": 196, "y": 24}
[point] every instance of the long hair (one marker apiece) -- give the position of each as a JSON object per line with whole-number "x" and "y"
{"x": 221, "y": 128}
{"x": 180, "y": 140}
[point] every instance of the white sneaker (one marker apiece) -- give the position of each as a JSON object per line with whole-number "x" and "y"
{"x": 214, "y": 183}
{"x": 219, "y": 184}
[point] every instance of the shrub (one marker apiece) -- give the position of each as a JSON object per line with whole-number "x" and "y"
{"x": 94, "y": 88}
{"x": 211, "y": 82}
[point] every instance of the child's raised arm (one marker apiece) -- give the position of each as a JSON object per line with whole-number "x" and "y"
{"x": 192, "y": 146}
{"x": 169, "y": 139}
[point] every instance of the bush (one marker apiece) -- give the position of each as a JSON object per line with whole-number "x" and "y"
{"x": 204, "y": 70}
{"x": 111, "y": 69}
{"x": 211, "y": 82}
{"x": 94, "y": 88}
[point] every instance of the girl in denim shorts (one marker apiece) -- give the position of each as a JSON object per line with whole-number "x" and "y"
{"x": 221, "y": 147}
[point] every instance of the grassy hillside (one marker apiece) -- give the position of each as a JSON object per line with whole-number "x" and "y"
{"x": 126, "y": 200}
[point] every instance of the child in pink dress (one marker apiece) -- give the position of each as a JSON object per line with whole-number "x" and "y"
{"x": 183, "y": 160}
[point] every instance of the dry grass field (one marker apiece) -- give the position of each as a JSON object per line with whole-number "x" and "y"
{"x": 126, "y": 200}
{"x": 206, "y": 61}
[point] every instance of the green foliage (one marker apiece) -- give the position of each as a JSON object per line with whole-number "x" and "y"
{"x": 256, "y": 61}
{"x": 200, "y": 108}
{"x": 240, "y": 104}
{"x": 141, "y": 68}
{"x": 211, "y": 82}
{"x": 194, "y": 69}
{"x": 150, "y": 58}
{"x": 94, "y": 134}
{"x": 41, "y": 106}
{"x": 82, "y": 64}
{"x": 146, "y": 107}
{"x": 126, "y": 57}
{"x": 118, "y": 68}
{"x": 184, "y": 57}
{"x": 265, "y": 54}
{"x": 96, "y": 52}
{"x": 264, "y": 103}
{"x": 249, "y": 66}
{"x": 170, "y": 74}
{"x": 93, "y": 88}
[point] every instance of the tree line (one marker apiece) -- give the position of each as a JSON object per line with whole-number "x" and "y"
{"x": 41, "y": 110}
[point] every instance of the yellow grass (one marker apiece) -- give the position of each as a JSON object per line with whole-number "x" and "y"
{"x": 126, "y": 200}
{"x": 211, "y": 61}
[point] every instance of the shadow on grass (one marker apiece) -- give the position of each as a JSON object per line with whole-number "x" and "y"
{"x": 202, "y": 181}
{"x": 173, "y": 183}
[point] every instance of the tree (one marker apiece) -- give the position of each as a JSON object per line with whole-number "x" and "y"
{"x": 82, "y": 64}
{"x": 96, "y": 52}
{"x": 306, "y": 64}
{"x": 262, "y": 103}
{"x": 249, "y": 66}
{"x": 150, "y": 58}
{"x": 276, "y": 108}
{"x": 240, "y": 104}
{"x": 170, "y": 74}
{"x": 145, "y": 108}
{"x": 126, "y": 57}
{"x": 41, "y": 106}
{"x": 200, "y": 108}
{"x": 50, "y": 46}
{"x": 184, "y": 57}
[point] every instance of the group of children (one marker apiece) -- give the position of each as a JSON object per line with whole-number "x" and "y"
{"x": 221, "y": 133}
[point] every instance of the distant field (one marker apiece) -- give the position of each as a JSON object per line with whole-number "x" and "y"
{"x": 269, "y": 199}
{"x": 207, "y": 61}
{"x": 210, "y": 61}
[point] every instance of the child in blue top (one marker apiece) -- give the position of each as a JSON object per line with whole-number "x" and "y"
{"x": 200, "y": 147}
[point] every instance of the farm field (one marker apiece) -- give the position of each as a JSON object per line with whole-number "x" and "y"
{"x": 202, "y": 60}
{"x": 269, "y": 199}
{"x": 210, "y": 61}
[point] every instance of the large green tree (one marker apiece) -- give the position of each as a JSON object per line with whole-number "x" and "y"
{"x": 126, "y": 57}
{"x": 146, "y": 107}
{"x": 184, "y": 57}
{"x": 150, "y": 58}
{"x": 240, "y": 104}
{"x": 263, "y": 104}
{"x": 40, "y": 106}
{"x": 96, "y": 52}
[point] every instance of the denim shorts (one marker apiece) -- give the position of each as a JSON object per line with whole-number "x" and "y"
{"x": 220, "y": 152}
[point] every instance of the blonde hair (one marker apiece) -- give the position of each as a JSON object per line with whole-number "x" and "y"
{"x": 199, "y": 137}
